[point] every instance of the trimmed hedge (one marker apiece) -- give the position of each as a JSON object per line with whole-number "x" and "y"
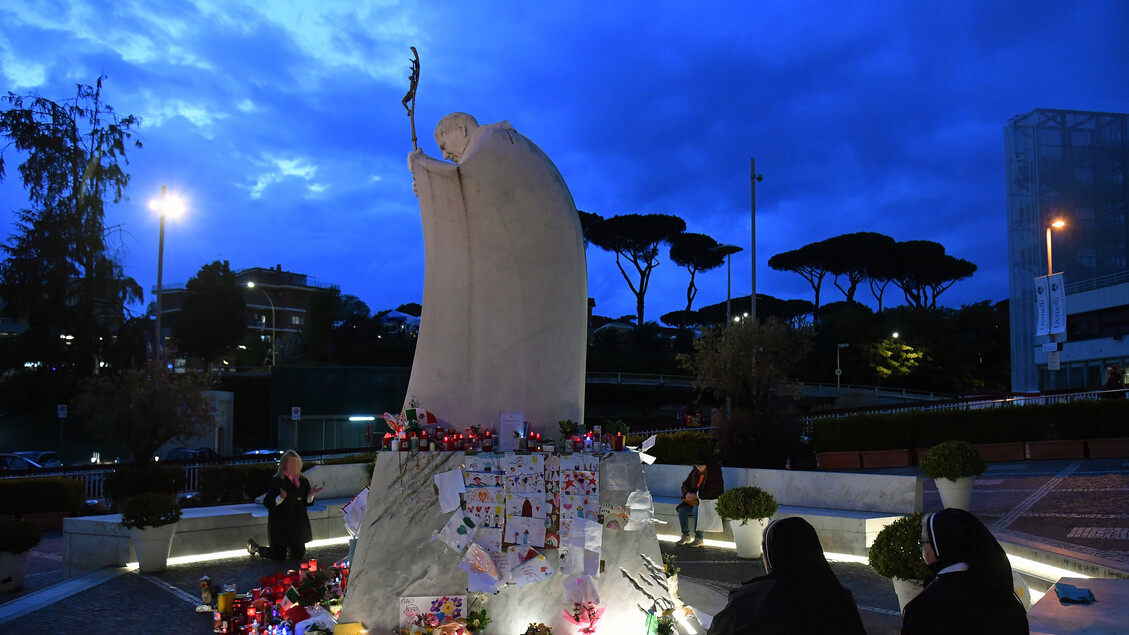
{"x": 41, "y": 495}
{"x": 677, "y": 448}
{"x": 1090, "y": 419}
{"x": 234, "y": 482}
{"x": 132, "y": 480}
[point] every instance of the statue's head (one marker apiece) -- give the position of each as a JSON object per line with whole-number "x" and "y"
{"x": 453, "y": 134}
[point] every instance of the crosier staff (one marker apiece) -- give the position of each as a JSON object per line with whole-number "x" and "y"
{"x": 411, "y": 96}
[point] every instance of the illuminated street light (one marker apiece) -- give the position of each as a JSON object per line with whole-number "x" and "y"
{"x": 170, "y": 205}
{"x": 273, "y": 332}
{"x": 1058, "y": 223}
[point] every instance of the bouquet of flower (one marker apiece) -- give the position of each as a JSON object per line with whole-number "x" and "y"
{"x": 476, "y": 619}
{"x": 584, "y": 615}
{"x": 538, "y": 629}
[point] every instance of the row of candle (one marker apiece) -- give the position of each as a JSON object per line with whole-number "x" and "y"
{"x": 255, "y": 612}
{"x": 411, "y": 441}
{"x": 437, "y": 442}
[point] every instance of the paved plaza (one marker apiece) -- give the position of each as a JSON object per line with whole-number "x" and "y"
{"x": 1072, "y": 510}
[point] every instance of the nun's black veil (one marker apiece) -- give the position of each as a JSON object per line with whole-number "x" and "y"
{"x": 795, "y": 556}
{"x": 958, "y": 536}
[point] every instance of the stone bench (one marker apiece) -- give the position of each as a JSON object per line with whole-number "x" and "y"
{"x": 93, "y": 542}
{"x": 846, "y": 510}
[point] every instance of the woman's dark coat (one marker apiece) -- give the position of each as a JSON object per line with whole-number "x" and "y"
{"x": 288, "y": 525}
{"x": 711, "y": 488}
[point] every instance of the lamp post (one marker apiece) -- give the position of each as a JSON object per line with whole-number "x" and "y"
{"x": 1057, "y": 224}
{"x": 273, "y": 332}
{"x": 172, "y": 205}
{"x": 838, "y": 369}
{"x": 728, "y": 251}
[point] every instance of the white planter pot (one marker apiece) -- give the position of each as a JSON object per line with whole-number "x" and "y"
{"x": 748, "y": 537}
{"x": 906, "y": 590}
{"x": 956, "y": 494}
{"x": 13, "y": 570}
{"x": 152, "y": 546}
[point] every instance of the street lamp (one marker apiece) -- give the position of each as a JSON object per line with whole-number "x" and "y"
{"x": 170, "y": 205}
{"x": 1058, "y": 223}
{"x": 728, "y": 251}
{"x": 838, "y": 370}
{"x": 273, "y": 332}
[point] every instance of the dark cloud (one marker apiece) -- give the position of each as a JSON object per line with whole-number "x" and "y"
{"x": 288, "y": 134}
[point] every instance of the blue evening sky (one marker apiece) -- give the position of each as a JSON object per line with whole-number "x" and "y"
{"x": 280, "y": 122}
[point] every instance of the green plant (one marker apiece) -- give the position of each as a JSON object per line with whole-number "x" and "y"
{"x": 666, "y": 624}
{"x": 150, "y": 510}
{"x": 40, "y": 495}
{"x": 668, "y": 565}
{"x": 745, "y": 503}
{"x": 953, "y": 460}
{"x": 616, "y": 426}
{"x": 896, "y": 552}
{"x": 568, "y": 427}
{"x": 18, "y": 535}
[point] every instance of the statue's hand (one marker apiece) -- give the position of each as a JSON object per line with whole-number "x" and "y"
{"x": 413, "y": 158}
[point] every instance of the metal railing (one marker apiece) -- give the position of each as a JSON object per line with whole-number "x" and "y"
{"x": 640, "y": 379}
{"x": 976, "y": 403}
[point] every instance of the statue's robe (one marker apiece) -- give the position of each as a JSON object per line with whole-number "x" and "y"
{"x": 504, "y": 324}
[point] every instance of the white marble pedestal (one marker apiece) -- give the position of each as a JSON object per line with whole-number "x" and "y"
{"x": 395, "y": 556}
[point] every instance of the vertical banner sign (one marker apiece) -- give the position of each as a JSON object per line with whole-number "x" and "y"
{"x": 1042, "y": 306}
{"x": 1057, "y": 304}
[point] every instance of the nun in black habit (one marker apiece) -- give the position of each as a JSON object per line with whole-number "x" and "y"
{"x": 800, "y": 594}
{"x": 971, "y": 590}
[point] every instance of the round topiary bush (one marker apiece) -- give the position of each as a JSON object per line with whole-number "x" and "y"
{"x": 745, "y": 503}
{"x": 18, "y": 535}
{"x": 896, "y": 552}
{"x": 953, "y": 460}
{"x": 150, "y": 510}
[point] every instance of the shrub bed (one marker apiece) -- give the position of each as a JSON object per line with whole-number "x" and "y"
{"x": 1089, "y": 419}
{"x": 41, "y": 495}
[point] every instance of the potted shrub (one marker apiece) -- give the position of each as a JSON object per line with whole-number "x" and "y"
{"x": 17, "y": 538}
{"x": 151, "y": 519}
{"x": 896, "y": 554}
{"x": 953, "y": 465}
{"x": 752, "y": 506}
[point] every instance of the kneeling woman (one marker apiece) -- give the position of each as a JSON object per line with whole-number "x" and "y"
{"x": 288, "y": 495}
{"x": 799, "y": 595}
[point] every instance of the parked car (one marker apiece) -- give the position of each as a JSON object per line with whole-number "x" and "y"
{"x": 17, "y": 462}
{"x": 45, "y": 458}
{"x": 185, "y": 454}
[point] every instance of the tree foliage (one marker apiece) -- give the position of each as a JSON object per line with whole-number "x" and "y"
{"x": 697, "y": 253}
{"x": 60, "y": 277}
{"x": 636, "y": 238}
{"x": 212, "y": 319}
{"x": 333, "y": 320}
{"x": 145, "y": 408}
{"x": 920, "y": 268}
{"x": 927, "y": 271}
{"x": 749, "y": 360}
{"x": 850, "y": 256}
{"x": 806, "y": 261}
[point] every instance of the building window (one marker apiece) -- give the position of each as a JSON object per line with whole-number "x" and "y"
{"x": 296, "y": 320}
